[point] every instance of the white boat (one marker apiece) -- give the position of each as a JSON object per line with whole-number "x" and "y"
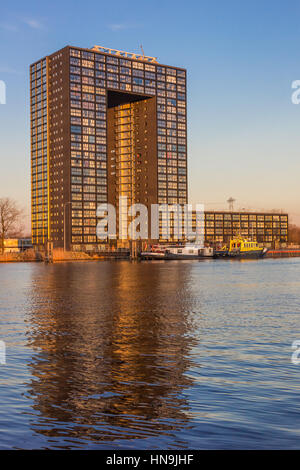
{"x": 189, "y": 252}
{"x": 179, "y": 252}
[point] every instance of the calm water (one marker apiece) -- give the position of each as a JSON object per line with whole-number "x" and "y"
{"x": 155, "y": 355}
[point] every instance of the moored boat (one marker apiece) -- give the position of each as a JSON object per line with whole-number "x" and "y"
{"x": 155, "y": 252}
{"x": 149, "y": 255}
{"x": 189, "y": 252}
{"x": 179, "y": 253}
{"x": 241, "y": 248}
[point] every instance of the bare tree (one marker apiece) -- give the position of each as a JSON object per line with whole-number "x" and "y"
{"x": 10, "y": 219}
{"x": 294, "y": 234}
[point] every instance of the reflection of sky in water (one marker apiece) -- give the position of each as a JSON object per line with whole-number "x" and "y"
{"x": 150, "y": 355}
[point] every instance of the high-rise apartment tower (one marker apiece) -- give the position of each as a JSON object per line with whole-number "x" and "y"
{"x": 104, "y": 124}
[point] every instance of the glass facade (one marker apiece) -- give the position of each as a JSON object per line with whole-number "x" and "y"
{"x": 39, "y": 152}
{"x": 92, "y": 76}
{"x": 263, "y": 228}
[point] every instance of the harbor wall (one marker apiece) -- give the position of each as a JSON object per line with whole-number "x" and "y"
{"x": 283, "y": 253}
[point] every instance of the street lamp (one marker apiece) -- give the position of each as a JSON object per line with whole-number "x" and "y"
{"x": 65, "y": 241}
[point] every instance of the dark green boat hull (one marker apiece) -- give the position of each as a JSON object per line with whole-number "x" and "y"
{"x": 240, "y": 255}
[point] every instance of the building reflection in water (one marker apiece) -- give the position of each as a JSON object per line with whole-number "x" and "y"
{"x": 112, "y": 346}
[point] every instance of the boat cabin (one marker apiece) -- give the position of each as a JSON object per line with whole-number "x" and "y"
{"x": 240, "y": 244}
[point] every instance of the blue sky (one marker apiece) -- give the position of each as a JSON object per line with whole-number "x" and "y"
{"x": 241, "y": 57}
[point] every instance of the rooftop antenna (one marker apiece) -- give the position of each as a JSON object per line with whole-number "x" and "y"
{"x": 231, "y": 201}
{"x": 142, "y": 50}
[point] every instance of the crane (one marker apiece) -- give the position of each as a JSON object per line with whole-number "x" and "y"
{"x": 231, "y": 201}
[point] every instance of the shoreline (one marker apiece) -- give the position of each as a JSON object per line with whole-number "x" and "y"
{"x": 273, "y": 254}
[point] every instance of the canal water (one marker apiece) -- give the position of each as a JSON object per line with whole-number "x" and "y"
{"x": 150, "y": 355}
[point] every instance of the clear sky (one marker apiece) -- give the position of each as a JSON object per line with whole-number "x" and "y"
{"x": 241, "y": 57}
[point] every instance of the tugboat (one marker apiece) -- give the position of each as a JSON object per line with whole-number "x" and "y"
{"x": 153, "y": 252}
{"x": 221, "y": 252}
{"x": 241, "y": 248}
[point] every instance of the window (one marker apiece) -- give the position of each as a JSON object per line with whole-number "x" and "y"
{"x": 76, "y": 129}
{"x": 137, "y": 81}
{"x": 74, "y": 53}
{"x": 125, "y": 71}
{"x": 138, "y": 65}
